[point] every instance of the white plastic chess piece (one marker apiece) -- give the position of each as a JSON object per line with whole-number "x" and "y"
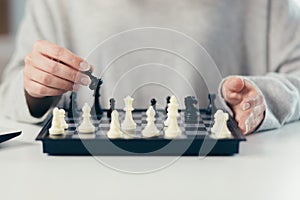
{"x": 150, "y": 130}
{"x": 128, "y": 126}
{"x": 62, "y": 115}
{"x": 56, "y": 128}
{"x": 173, "y": 130}
{"x": 220, "y": 129}
{"x": 114, "y": 131}
{"x": 86, "y": 126}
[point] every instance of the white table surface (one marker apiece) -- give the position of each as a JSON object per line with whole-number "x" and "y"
{"x": 268, "y": 167}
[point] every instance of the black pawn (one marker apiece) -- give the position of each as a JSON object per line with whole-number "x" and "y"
{"x": 73, "y": 111}
{"x": 211, "y": 109}
{"x": 153, "y": 104}
{"x": 112, "y": 103}
{"x": 96, "y": 110}
{"x": 168, "y": 101}
{"x": 191, "y": 111}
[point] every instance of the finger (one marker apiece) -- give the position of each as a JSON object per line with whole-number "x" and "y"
{"x": 58, "y": 69}
{"x": 76, "y": 87}
{"x": 47, "y": 79}
{"x": 234, "y": 84}
{"x": 231, "y": 91}
{"x": 60, "y": 54}
{"x": 37, "y": 90}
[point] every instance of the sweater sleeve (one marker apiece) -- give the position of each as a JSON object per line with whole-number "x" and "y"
{"x": 36, "y": 25}
{"x": 281, "y": 87}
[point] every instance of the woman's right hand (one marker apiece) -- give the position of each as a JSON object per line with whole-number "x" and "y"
{"x": 51, "y": 70}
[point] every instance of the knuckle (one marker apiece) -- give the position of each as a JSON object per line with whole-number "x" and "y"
{"x": 27, "y": 60}
{"x": 41, "y": 90}
{"x": 46, "y": 79}
{"x": 59, "y": 52}
{"x": 37, "y": 44}
{"x": 54, "y": 67}
{"x": 67, "y": 86}
{"x": 73, "y": 76}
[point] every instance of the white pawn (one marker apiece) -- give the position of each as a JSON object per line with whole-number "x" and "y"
{"x": 150, "y": 129}
{"x": 56, "y": 128}
{"x": 114, "y": 130}
{"x": 86, "y": 126}
{"x": 220, "y": 129}
{"x": 62, "y": 115}
{"x": 173, "y": 130}
{"x": 128, "y": 126}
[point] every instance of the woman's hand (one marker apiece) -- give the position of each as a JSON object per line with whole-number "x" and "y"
{"x": 51, "y": 70}
{"x": 246, "y": 102}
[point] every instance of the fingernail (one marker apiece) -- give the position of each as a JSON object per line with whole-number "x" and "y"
{"x": 85, "y": 81}
{"x": 246, "y": 106}
{"x": 84, "y": 66}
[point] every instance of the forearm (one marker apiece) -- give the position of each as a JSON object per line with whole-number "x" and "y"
{"x": 38, "y": 107}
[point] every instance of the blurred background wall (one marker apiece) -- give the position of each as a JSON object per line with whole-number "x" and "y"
{"x": 11, "y": 14}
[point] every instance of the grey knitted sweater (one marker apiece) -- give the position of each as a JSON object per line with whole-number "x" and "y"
{"x": 244, "y": 37}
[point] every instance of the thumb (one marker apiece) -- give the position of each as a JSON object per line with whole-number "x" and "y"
{"x": 231, "y": 90}
{"x": 234, "y": 84}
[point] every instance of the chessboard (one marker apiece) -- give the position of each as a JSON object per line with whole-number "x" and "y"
{"x": 196, "y": 139}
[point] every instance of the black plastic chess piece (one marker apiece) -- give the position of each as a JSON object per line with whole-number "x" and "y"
{"x": 190, "y": 113}
{"x": 73, "y": 111}
{"x": 168, "y": 101}
{"x": 112, "y": 103}
{"x": 96, "y": 110}
{"x": 211, "y": 109}
{"x": 94, "y": 80}
{"x": 153, "y": 104}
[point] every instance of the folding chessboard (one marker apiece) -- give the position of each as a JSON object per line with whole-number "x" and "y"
{"x": 195, "y": 141}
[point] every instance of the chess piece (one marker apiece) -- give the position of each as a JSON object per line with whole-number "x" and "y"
{"x": 150, "y": 130}
{"x": 168, "y": 101}
{"x": 112, "y": 103}
{"x": 190, "y": 113}
{"x": 96, "y": 110}
{"x": 153, "y": 104}
{"x": 128, "y": 126}
{"x": 173, "y": 130}
{"x": 62, "y": 115}
{"x": 94, "y": 80}
{"x": 56, "y": 128}
{"x": 86, "y": 126}
{"x": 73, "y": 111}
{"x": 211, "y": 109}
{"x": 220, "y": 129}
{"x": 114, "y": 131}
